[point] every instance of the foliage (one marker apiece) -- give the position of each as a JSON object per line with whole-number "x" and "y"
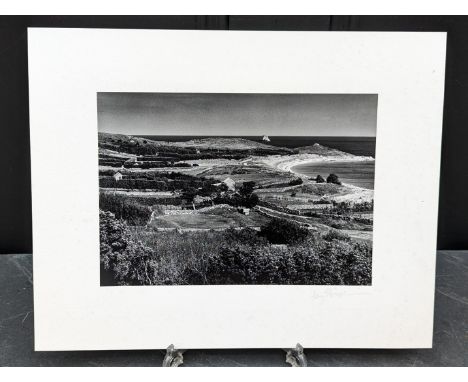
{"x": 363, "y": 206}
{"x": 151, "y": 257}
{"x": 129, "y": 260}
{"x": 282, "y": 231}
{"x": 247, "y": 236}
{"x": 147, "y": 180}
{"x": 246, "y": 197}
{"x": 326, "y": 263}
{"x": 343, "y": 208}
{"x": 250, "y": 201}
{"x": 247, "y": 188}
{"x": 130, "y": 210}
{"x": 333, "y": 178}
{"x": 132, "y": 184}
{"x": 189, "y": 193}
{"x": 181, "y": 257}
{"x": 336, "y": 235}
{"x": 321, "y": 201}
{"x": 155, "y": 164}
{"x": 240, "y": 264}
{"x": 296, "y": 182}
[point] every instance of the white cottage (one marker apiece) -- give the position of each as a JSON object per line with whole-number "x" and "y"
{"x": 118, "y": 176}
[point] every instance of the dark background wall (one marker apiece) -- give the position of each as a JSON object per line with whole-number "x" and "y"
{"x": 15, "y": 187}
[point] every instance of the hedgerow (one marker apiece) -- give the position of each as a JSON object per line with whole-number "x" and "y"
{"x": 151, "y": 257}
{"x": 128, "y": 209}
{"x": 316, "y": 263}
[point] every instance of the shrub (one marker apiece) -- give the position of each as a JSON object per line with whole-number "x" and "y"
{"x": 247, "y": 188}
{"x": 364, "y": 206}
{"x": 319, "y": 179}
{"x": 189, "y": 194}
{"x": 130, "y": 261}
{"x": 246, "y": 196}
{"x": 125, "y": 208}
{"x": 250, "y": 201}
{"x": 246, "y": 235}
{"x": 182, "y": 257}
{"x": 282, "y": 231}
{"x": 332, "y": 178}
{"x": 132, "y": 183}
{"x": 295, "y": 182}
{"x": 239, "y": 264}
{"x": 321, "y": 201}
{"x": 336, "y": 235}
{"x": 358, "y": 265}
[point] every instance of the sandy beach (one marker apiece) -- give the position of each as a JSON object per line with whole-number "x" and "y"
{"x": 353, "y": 194}
{"x": 286, "y": 163}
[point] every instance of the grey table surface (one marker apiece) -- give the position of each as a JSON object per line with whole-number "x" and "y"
{"x": 450, "y": 330}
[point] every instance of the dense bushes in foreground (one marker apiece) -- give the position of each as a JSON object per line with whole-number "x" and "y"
{"x": 131, "y": 262}
{"x": 312, "y": 263}
{"x": 149, "y": 257}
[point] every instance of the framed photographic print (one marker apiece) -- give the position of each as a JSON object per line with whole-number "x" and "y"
{"x": 243, "y": 209}
{"x": 218, "y": 189}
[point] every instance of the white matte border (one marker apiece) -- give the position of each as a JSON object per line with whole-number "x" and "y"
{"x": 67, "y": 67}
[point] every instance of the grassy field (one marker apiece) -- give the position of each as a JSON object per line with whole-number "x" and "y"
{"x": 244, "y": 173}
{"x": 218, "y": 218}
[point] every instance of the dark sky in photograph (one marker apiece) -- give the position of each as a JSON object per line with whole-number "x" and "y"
{"x": 237, "y": 114}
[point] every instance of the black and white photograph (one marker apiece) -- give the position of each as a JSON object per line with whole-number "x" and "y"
{"x": 236, "y": 188}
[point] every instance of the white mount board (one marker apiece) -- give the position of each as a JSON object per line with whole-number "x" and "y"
{"x": 67, "y": 67}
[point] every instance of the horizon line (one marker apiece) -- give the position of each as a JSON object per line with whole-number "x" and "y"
{"x": 219, "y": 135}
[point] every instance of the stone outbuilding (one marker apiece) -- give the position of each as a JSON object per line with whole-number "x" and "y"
{"x": 118, "y": 176}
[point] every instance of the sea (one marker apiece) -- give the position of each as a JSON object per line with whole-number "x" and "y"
{"x": 359, "y": 173}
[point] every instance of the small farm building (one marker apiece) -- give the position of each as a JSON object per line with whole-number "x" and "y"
{"x": 118, "y": 176}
